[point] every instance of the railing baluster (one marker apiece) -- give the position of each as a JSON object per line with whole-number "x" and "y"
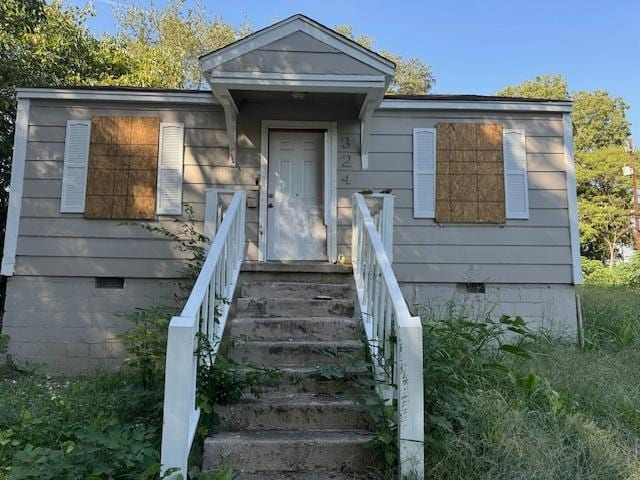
{"x": 217, "y": 279}
{"x": 393, "y": 335}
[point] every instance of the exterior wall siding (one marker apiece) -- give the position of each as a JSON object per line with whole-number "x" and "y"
{"x": 51, "y": 243}
{"x": 536, "y": 250}
{"x": 55, "y": 314}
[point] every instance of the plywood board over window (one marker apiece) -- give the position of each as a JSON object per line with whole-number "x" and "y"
{"x": 123, "y": 165}
{"x": 469, "y": 173}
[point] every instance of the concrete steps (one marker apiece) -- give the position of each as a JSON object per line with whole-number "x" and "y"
{"x": 294, "y": 328}
{"x": 289, "y": 451}
{"x": 302, "y": 476}
{"x": 293, "y": 307}
{"x": 301, "y": 380}
{"x": 298, "y": 319}
{"x": 308, "y": 290}
{"x": 296, "y": 353}
{"x": 292, "y": 412}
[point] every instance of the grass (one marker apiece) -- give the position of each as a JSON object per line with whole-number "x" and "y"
{"x": 96, "y": 427}
{"x": 561, "y": 413}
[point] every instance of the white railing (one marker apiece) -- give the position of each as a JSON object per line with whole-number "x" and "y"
{"x": 205, "y": 313}
{"x": 393, "y": 335}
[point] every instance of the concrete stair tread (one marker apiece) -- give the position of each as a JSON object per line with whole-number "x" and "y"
{"x": 299, "y": 318}
{"x": 278, "y": 398}
{"x": 319, "y": 344}
{"x": 319, "y": 436}
{"x": 315, "y": 475}
{"x": 314, "y": 371}
{"x": 308, "y": 412}
{"x": 301, "y": 290}
{"x": 291, "y": 328}
{"x": 295, "y": 267}
{"x": 293, "y": 307}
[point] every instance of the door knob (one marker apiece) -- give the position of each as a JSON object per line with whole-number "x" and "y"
{"x": 270, "y": 205}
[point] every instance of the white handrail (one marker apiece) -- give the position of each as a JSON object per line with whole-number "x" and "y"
{"x": 394, "y": 336}
{"x": 205, "y": 313}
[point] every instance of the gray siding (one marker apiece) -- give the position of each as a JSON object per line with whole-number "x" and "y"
{"x": 55, "y": 244}
{"x": 536, "y": 250}
{"x": 297, "y": 53}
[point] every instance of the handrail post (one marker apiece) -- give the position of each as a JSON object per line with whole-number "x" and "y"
{"x": 410, "y": 399}
{"x": 178, "y": 395}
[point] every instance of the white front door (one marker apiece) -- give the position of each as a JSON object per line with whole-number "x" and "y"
{"x": 295, "y": 218}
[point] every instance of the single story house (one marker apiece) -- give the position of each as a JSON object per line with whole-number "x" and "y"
{"x": 297, "y": 116}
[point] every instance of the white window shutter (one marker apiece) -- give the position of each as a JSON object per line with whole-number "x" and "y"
{"x": 424, "y": 172}
{"x": 170, "y": 168}
{"x": 515, "y": 174}
{"x": 76, "y": 160}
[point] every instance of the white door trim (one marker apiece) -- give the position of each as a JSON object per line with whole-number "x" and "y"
{"x": 330, "y": 197}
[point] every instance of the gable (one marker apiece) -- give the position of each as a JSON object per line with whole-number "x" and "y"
{"x": 297, "y": 53}
{"x": 297, "y": 45}
{"x": 300, "y": 42}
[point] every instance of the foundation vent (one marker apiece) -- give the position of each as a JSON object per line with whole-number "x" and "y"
{"x": 472, "y": 287}
{"x": 110, "y": 282}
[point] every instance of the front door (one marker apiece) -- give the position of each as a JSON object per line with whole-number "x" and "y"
{"x": 295, "y": 218}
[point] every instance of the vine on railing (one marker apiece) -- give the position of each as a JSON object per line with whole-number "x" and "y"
{"x": 394, "y": 336}
{"x": 204, "y": 316}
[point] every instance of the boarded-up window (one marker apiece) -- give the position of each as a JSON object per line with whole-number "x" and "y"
{"x": 470, "y": 173}
{"x": 123, "y": 164}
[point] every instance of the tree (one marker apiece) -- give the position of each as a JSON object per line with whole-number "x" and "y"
{"x": 604, "y": 194}
{"x": 550, "y": 87}
{"x": 599, "y": 120}
{"x": 604, "y": 205}
{"x": 46, "y": 44}
{"x": 412, "y": 76}
{"x": 164, "y": 44}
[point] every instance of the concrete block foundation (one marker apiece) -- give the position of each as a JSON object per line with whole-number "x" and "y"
{"x": 545, "y": 307}
{"x": 72, "y": 326}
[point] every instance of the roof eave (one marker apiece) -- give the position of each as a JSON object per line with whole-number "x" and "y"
{"x": 115, "y": 95}
{"x": 480, "y": 105}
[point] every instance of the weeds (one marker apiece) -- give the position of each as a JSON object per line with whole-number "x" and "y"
{"x": 544, "y": 411}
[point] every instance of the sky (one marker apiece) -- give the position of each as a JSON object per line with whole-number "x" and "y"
{"x": 472, "y": 46}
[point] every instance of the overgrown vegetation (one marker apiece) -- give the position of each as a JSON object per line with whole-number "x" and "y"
{"x": 108, "y": 426}
{"x": 546, "y": 410}
{"x": 618, "y": 274}
{"x": 98, "y": 427}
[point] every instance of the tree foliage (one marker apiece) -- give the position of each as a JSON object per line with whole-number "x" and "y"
{"x": 164, "y": 44}
{"x": 599, "y": 120}
{"x": 550, "y": 87}
{"x": 604, "y": 194}
{"x": 47, "y": 44}
{"x": 604, "y": 205}
{"x": 412, "y": 76}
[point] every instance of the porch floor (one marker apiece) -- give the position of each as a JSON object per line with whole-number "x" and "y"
{"x": 295, "y": 267}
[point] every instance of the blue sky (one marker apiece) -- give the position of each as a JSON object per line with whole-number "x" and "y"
{"x": 475, "y": 46}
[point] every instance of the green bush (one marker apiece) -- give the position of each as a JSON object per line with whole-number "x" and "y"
{"x": 462, "y": 355}
{"x": 101, "y": 427}
{"x": 620, "y": 274}
{"x": 551, "y": 411}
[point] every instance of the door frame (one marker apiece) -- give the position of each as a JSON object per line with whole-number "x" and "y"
{"x": 330, "y": 194}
